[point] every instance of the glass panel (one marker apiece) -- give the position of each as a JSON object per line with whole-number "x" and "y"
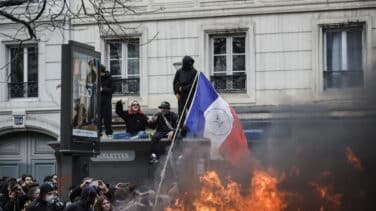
{"x": 229, "y": 83}
{"x": 32, "y": 65}
{"x": 333, "y": 51}
{"x": 219, "y": 45}
{"x": 219, "y": 63}
{"x": 344, "y": 58}
{"x": 354, "y": 50}
{"x": 133, "y": 67}
{"x": 16, "y": 56}
{"x": 238, "y": 45}
{"x": 115, "y": 50}
{"x": 32, "y": 75}
{"x": 343, "y": 79}
{"x": 238, "y": 63}
{"x": 115, "y": 67}
{"x": 133, "y": 48}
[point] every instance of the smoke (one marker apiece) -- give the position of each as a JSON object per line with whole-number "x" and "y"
{"x": 311, "y": 148}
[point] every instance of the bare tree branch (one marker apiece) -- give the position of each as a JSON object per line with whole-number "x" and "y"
{"x": 12, "y": 3}
{"x": 35, "y": 17}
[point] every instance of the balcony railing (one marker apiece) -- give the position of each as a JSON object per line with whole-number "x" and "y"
{"x": 343, "y": 79}
{"x": 23, "y": 89}
{"x": 229, "y": 83}
{"x": 129, "y": 86}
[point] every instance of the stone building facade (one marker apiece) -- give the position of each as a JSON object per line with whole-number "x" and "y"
{"x": 256, "y": 52}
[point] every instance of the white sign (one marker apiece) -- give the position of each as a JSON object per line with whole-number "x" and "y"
{"x": 110, "y": 156}
{"x": 85, "y": 133}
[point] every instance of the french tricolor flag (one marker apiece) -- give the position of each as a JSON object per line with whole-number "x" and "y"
{"x": 211, "y": 117}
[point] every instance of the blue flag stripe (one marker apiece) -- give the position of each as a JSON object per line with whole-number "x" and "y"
{"x": 204, "y": 96}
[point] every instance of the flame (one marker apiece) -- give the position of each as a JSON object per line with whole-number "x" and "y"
{"x": 264, "y": 194}
{"x": 177, "y": 206}
{"x": 326, "y": 193}
{"x": 215, "y": 196}
{"x": 353, "y": 159}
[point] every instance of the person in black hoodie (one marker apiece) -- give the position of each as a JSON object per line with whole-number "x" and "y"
{"x": 165, "y": 123}
{"x": 135, "y": 120}
{"x": 106, "y": 90}
{"x": 86, "y": 201}
{"x": 183, "y": 82}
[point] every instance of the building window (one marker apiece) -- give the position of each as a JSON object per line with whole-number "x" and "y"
{"x": 124, "y": 64}
{"x": 23, "y": 66}
{"x": 343, "y": 56}
{"x": 228, "y": 63}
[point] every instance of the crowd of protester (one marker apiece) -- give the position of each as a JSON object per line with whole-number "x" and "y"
{"x": 25, "y": 194}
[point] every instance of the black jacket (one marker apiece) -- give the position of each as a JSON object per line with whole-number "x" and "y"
{"x": 16, "y": 204}
{"x": 184, "y": 77}
{"x": 3, "y": 200}
{"x": 76, "y": 192}
{"x": 106, "y": 87}
{"x": 160, "y": 124}
{"x": 78, "y": 206}
{"x": 133, "y": 122}
{"x": 39, "y": 205}
{"x": 87, "y": 199}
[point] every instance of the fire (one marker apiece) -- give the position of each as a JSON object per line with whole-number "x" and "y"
{"x": 177, "y": 206}
{"x": 353, "y": 159}
{"x": 215, "y": 196}
{"x": 264, "y": 194}
{"x": 326, "y": 193}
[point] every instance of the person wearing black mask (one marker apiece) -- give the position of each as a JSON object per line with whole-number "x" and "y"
{"x": 183, "y": 82}
{"x": 42, "y": 202}
{"x": 106, "y": 104}
{"x": 86, "y": 202}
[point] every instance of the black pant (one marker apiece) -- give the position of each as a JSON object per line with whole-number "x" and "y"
{"x": 156, "y": 148}
{"x": 106, "y": 115}
{"x": 181, "y": 102}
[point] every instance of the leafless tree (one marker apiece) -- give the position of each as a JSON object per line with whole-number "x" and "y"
{"x": 33, "y": 17}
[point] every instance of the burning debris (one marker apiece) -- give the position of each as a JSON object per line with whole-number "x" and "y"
{"x": 216, "y": 196}
{"x": 353, "y": 159}
{"x": 330, "y": 198}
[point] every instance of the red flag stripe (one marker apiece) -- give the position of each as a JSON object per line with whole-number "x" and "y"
{"x": 235, "y": 147}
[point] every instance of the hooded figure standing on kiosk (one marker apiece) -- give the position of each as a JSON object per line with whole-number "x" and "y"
{"x": 183, "y": 83}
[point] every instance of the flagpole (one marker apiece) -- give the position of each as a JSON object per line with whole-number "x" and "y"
{"x": 173, "y": 143}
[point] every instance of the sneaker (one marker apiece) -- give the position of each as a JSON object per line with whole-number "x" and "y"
{"x": 134, "y": 137}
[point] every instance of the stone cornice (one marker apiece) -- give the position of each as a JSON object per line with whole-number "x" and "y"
{"x": 237, "y": 10}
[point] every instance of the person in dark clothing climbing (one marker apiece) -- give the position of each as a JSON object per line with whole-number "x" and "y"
{"x": 106, "y": 90}
{"x": 86, "y": 201}
{"x": 183, "y": 82}
{"x": 165, "y": 123}
{"x": 135, "y": 120}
